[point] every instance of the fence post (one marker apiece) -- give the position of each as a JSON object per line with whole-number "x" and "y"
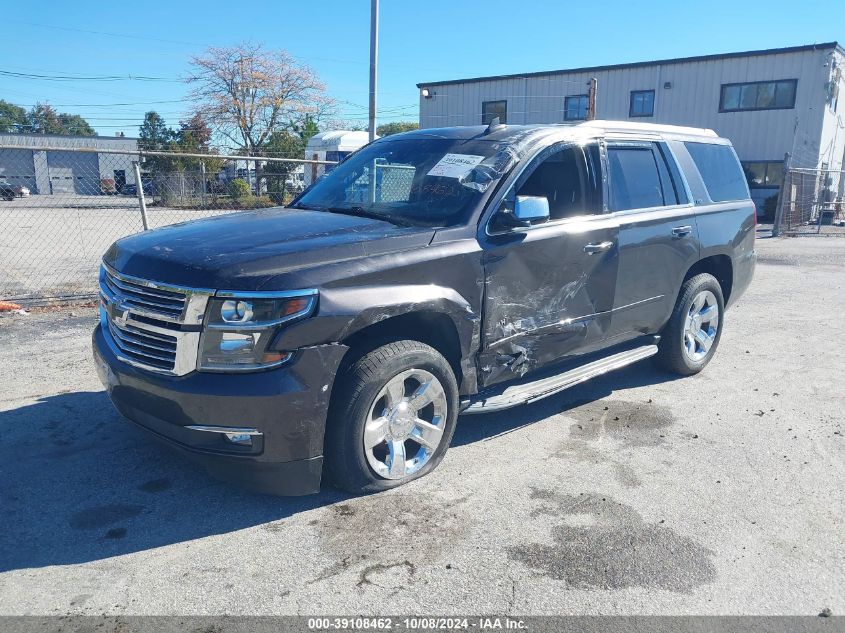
{"x": 781, "y": 196}
{"x": 204, "y": 182}
{"x": 139, "y": 188}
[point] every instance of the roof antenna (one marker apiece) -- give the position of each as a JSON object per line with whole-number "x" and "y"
{"x": 494, "y": 124}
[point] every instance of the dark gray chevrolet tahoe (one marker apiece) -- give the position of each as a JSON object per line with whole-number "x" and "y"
{"x": 433, "y": 272}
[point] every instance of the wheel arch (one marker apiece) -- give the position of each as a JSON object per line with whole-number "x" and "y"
{"x": 720, "y": 266}
{"x": 431, "y": 327}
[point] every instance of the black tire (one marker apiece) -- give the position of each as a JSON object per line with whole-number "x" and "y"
{"x": 672, "y": 354}
{"x": 345, "y": 460}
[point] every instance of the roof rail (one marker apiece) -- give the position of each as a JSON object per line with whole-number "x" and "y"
{"x": 634, "y": 126}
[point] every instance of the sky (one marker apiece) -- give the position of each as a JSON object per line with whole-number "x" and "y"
{"x": 75, "y": 45}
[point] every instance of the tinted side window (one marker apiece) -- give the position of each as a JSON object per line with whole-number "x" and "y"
{"x": 563, "y": 179}
{"x": 634, "y": 178}
{"x": 720, "y": 170}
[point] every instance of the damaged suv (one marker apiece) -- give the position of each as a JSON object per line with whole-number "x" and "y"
{"x": 434, "y": 272}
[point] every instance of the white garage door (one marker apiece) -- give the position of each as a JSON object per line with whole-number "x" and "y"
{"x": 74, "y": 172}
{"x": 17, "y": 168}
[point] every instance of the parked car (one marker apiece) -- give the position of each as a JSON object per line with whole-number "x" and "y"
{"x": 483, "y": 269}
{"x": 131, "y": 189}
{"x": 8, "y": 191}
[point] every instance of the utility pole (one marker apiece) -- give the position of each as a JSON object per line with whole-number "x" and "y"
{"x": 373, "y": 65}
{"x": 591, "y": 98}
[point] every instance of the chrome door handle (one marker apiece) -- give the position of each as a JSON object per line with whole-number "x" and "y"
{"x": 597, "y": 247}
{"x": 681, "y": 231}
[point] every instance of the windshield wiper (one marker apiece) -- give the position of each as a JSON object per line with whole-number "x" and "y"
{"x": 361, "y": 212}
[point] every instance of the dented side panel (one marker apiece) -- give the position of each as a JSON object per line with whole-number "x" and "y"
{"x": 545, "y": 297}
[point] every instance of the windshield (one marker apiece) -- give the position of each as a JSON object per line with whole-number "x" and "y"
{"x": 412, "y": 181}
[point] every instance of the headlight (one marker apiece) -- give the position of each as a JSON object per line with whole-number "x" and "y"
{"x": 239, "y": 330}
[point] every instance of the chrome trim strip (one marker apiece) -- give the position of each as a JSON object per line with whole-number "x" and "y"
{"x": 146, "y": 292}
{"x": 270, "y": 294}
{"x": 155, "y": 284}
{"x": 224, "y": 429}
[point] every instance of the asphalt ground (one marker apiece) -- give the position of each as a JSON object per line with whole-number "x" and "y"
{"x": 637, "y": 493}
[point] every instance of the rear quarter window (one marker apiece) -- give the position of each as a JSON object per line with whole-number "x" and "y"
{"x": 720, "y": 170}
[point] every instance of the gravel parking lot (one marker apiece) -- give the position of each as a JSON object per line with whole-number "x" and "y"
{"x": 635, "y": 494}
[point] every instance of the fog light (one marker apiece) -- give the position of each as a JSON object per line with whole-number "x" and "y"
{"x": 242, "y": 439}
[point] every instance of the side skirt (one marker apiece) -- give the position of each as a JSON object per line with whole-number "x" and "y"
{"x": 544, "y": 387}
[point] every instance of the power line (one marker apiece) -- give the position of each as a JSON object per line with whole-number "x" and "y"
{"x": 19, "y": 75}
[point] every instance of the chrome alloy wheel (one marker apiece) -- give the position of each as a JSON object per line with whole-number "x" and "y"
{"x": 405, "y": 424}
{"x": 701, "y": 326}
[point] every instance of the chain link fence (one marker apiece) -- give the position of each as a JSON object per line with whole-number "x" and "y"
{"x": 60, "y": 209}
{"x": 813, "y": 202}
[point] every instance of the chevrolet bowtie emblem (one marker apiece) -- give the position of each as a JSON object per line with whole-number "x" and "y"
{"x": 121, "y": 316}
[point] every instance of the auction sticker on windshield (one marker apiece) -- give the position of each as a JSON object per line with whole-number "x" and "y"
{"x": 455, "y": 165}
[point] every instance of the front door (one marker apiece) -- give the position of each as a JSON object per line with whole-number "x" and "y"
{"x": 549, "y": 287}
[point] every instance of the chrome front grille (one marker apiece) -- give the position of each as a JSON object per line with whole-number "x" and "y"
{"x": 145, "y": 346}
{"x": 151, "y": 325}
{"x": 145, "y": 299}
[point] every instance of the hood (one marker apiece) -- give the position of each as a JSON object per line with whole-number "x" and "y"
{"x": 244, "y": 251}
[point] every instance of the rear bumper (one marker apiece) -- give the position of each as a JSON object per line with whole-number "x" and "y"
{"x": 286, "y": 406}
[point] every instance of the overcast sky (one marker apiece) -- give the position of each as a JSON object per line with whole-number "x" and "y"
{"x": 420, "y": 41}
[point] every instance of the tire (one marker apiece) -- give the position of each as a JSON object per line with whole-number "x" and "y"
{"x": 689, "y": 340}
{"x": 367, "y": 404}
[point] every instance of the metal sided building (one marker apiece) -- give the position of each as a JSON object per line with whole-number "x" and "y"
{"x": 768, "y": 102}
{"x": 46, "y": 164}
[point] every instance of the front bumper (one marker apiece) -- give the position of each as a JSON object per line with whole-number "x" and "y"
{"x": 287, "y": 406}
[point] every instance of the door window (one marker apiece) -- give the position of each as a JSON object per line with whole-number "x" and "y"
{"x": 641, "y": 179}
{"x": 564, "y": 179}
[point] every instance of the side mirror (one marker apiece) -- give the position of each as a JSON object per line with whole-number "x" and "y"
{"x": 527, "y": 210}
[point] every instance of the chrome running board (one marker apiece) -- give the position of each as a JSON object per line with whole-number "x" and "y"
{"x": 544, "y": 387}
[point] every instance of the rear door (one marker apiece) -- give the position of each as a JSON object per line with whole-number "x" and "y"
{"x": 549, "y": 287}
{"x": 658, "y": 235}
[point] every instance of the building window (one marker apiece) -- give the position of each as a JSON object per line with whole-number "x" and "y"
{"x": 575, "y": 107}
{"x": 758, "y": 95}
{"x": 763, "y": 173}
{"x": 642, "y": 103}
{"x": 492, "y": 109}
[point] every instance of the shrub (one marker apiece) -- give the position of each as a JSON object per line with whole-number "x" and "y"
{"x": 770, "y": 205}
{"x": 239, "y": 189}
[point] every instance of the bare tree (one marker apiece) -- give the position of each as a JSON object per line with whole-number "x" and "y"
{"x": 247, "y": 93}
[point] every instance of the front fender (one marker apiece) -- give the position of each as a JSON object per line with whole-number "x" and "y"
{"x": 343, "y": 312}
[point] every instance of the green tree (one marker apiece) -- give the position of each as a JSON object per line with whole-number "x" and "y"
{"x": 44, "y": 119}
{"x": 75, "y": 125}
{"x": 286, "y": 144}
{"x": 12, "y": 117}
{"x": 395, "y": 127}
{"x": 307, "y": 129}
{"x": 155, "y": 136}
